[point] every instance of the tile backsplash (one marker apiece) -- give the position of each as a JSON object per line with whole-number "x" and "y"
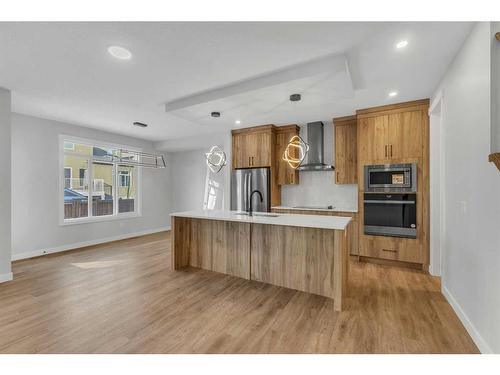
{"x": 319, "y": 189}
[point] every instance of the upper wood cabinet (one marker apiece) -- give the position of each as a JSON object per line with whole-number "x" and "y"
{"x": 252, "y": 147}
{"x": 405, "y": 135}
{"x": 346, "y": 165}
{"x": 286, "y": 174}
{"x": 391, "y": 134}
{"x": 255, "y": 147}
{"x": 372, "y": 138}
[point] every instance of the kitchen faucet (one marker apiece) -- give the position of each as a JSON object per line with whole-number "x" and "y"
{"x": 250, "y": 211}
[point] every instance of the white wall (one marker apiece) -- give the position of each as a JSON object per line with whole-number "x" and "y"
{"x": 36, "y": 196}
{"x": 188, "y": 170}
{"x": 5, "y": 185}
{"x": 318, "y": 188}
{"x": 191, "y": 178}
{"x": 471, "y": 249}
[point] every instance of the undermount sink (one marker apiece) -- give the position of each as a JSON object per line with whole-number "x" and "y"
{"x": 258, "y": 214}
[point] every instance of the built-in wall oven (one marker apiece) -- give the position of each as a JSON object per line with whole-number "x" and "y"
{"x": 392, "y": 215}
{"x": 390, "y": 200}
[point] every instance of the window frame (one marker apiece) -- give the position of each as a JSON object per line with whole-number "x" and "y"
{"x": 90, "y": 174}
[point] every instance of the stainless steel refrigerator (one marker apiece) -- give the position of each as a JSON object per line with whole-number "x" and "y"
{"x": 243, "y": 182}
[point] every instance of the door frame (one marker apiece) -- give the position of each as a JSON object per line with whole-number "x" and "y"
{"x": 437, "y": 185}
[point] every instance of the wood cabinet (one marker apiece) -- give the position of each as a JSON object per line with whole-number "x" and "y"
{"x": 352, "y": 231}
{"x": 390, "y": 136}
{"x": 397, "y": 133}
{"x": 391, "y": 248}
{"x": 253, "y": 147}
{"x": 345, "y": 139}
{"x": 286, "y": 174}
{"x": 372, "y": 138}
{"x": 405, "y": 134}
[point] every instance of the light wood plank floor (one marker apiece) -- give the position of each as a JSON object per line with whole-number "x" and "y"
{"x": 123, "y": 297}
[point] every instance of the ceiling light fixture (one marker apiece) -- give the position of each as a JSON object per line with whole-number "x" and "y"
{"x": 295, "y": 97}
{"x": 120, "y": 53}
{"x": 402, "y": 44}
{"x": 393, "y": 94}
{"x": 295, "y": 152}
{"x": 216, "y": 159}
{"x": 237, "y": 122}
{"x": 215, "y": 114}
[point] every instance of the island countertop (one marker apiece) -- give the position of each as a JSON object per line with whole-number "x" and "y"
{"x": 319, "y": 208}
{"x": 306, "y": 221}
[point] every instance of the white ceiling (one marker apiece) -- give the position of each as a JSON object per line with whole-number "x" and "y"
{"x": 62, "y": 71}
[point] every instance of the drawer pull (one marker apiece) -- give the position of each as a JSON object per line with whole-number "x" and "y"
{"x": 389, "y": 250}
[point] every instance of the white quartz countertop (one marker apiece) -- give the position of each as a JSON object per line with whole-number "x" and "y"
{"x": 334, "y": 209}
{"x": 307, "y": 221}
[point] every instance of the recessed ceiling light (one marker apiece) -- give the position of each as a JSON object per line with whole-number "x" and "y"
{"x": 237, "y": 122}
{"x": 402, "y": 44}
{"x": 120, "y": 52}
{"x": 393, "y": 94}
{"x": 215, "y": 114}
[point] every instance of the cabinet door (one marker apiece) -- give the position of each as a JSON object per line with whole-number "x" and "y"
{"x": 240, "y": 152}
{"x": 346, "y": 154}
{"x": 259, "y": 149}
{"x": 392, "y": 248}
{"x": 373, "y": 137}
{"x": 286, "y": 174}
{"x": 405, "y": 135}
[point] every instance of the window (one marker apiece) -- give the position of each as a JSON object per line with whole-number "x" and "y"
{"x": 68, "y": 174}
{"x": 124, "y": 178}
{"x": 103, "y": 189}
{"x": 69, "y": 146}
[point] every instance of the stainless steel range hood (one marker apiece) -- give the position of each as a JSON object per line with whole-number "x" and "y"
{"x": 315, "y": 156}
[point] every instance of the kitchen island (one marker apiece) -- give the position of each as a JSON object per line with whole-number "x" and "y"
{"x": 302, "y": 252}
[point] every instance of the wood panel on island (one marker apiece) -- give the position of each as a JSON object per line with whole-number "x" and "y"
{"x": 352, "y": 231}
{"x": 283, "y": 251}
{"x": 394, "y": 134}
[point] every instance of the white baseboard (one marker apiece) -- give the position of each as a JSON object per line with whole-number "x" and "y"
{"x": 5, "y": 277}
{"x": 473, "y": 332}
{"x": 58, "y": 249}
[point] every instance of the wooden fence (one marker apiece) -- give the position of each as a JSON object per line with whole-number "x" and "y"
{"x": 77, "y": 209}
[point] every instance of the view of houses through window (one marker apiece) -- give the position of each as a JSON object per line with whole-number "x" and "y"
{"x": 91, "y": 171}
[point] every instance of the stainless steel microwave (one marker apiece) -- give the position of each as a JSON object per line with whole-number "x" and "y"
{"x": 391, "y": 178}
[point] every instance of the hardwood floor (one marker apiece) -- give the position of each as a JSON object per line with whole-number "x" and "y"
{"x": 123, "y": 297}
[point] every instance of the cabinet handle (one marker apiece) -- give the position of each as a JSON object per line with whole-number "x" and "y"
{"x": 391, "y": 151}
{"x": 252, "y": 161}
{"x": 385, "y": 150}
{"x": 249, "y": 161}
{"x": 390, "y": 251}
